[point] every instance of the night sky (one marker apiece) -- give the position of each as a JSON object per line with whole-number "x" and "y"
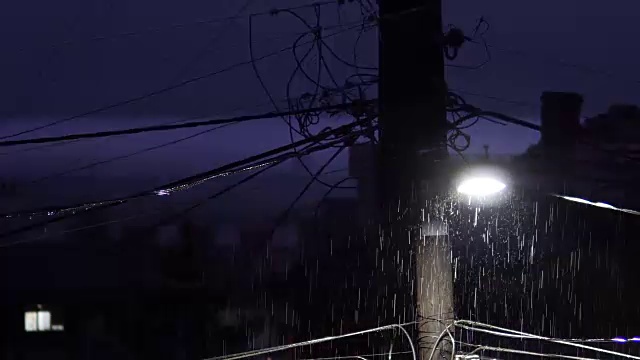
{"x": 51, "y": 69}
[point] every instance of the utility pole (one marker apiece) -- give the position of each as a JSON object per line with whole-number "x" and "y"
{"x": 413, "y": 131}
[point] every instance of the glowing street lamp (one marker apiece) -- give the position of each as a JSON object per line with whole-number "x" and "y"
{"x": 482, "y": 181}
{"x": 481, "y": 186}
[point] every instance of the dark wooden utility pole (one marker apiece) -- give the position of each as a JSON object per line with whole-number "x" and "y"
{"x": 413, "y": 145}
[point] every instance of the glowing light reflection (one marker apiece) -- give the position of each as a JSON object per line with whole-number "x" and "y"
{"x": 481, "y": 186}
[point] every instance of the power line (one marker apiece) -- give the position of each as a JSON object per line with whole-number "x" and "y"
{"x": 192, "y": 118}
{"x": 124, "y": 156}
{"x": 210, "y": 43}
{"x": 563, "y": 63}
{"x": 475, "y": 113}
{"x": 177, "y": 186}
{"x": 169, "y": 219}
{"x": 227, "y": 189}
{"x": 128, "y": 34}
{"x": 161, "y": 90}
{"x": 172, "y": 218}
{"x": 497, "y": 98}
{"x": 194, "y": 124}
{"x": 358, "y": 24}
{"x": 253, "y": 162}
{"x": 198, "y": 57}
{"x": 285, "y": 213}
{"x": 44, "y": 83}
{"x": 129, "y": 155}
{"x": 324, "y": 197}
{"x": 169, "y": 27}
{"x": 509, "y": 119}
{"x": 457, "y": 103}
{"x": 306, "y": 120}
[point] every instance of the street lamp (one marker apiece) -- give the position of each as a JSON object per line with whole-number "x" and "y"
{"x": 482, "y": 181}
{"x": 481, "y": 186}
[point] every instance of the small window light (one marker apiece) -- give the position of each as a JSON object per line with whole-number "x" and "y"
{"x": 44, "y": 321}
{"x": 30, "y": 321}
{"x": 38, "y": 321}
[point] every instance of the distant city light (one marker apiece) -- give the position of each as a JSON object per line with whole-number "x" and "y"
{"x": 481, "y": 186}
{"x": 618, "y": 339}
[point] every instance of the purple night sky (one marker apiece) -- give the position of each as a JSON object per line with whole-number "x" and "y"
{"x": 41, "y": 83}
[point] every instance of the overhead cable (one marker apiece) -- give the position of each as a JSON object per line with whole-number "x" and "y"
{"x": 172, "y": 218}
{"x": 183, "y": 120}
{"x": 498, "y": 99}
{"x": 210, "y": 43}
{"x": 250, "y": 163}
{"x": 178, "y": 186}
{"x": 504, "y": 332}
{"x": 285, "y": 213}
{"x": 124, "y": 156}
{"x": 310, "y": 99}
{"x": 169, "y": 27}
{"x": 193, "y": 124}
{"x": 161, "y": 90}
{"x": 563, "y": 63}
{"x": 275, "y": 349}
{"x": 344, "y": 28}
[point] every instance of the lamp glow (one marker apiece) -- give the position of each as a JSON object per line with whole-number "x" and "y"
{"x": 481, "y": 186}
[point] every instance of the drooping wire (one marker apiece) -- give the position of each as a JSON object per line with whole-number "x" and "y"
{"x": 474, "y": 113}
{"x": 250, "y": 163}
{"x": 307, "y": 100}
{"x": 302, "y": 124}
{"x": 514, "y": 334}
{"x": 157, "y": 128}
{"x": 455, "y": 38}
{"x": 325, "y": 196}
{"x": 128, "y": 155}
{"x": 280, "y": 219}
{"x": 465, "y": 116}
{"x": 169, "y": 27}
{"x": 172, "y": 218}
{"x": 308, "y": 119}
{"x": 580, "y": 67}
{"x": 157, "y": 91}
{"x": 496, "y": 98}
{"x": 184, "y": 212}
{"x": 209, "y": 44}
{"x": 46, "y": 80}
{"x": 184, "y": 120}
{"x": 275, "y": 349}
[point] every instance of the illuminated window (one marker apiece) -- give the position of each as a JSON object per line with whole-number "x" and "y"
{"x": 40, "y": 321}
{"x": 44, "y": 321}
{"x": 31, "y": 321}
